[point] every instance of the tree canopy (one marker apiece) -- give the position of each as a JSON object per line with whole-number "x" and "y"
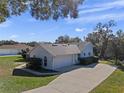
{"x": 39, "y": 9}
{"x": 102, "y": 35}
{"x": 107, "y": 44}
{"x": 67, "y": 40}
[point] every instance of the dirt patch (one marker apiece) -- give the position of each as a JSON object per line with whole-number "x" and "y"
{"x": 2, "y": 72}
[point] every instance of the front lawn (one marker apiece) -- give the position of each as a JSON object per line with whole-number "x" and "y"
{"x": 17, "y": 84}
{"x": 113, "y": 84}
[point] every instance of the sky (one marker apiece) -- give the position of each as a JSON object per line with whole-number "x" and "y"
{"x": 24, "y": 28}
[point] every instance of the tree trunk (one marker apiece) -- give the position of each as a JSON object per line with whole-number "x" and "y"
{"x": 103, "y": 49}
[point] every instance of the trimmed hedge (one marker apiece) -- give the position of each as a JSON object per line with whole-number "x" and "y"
{"x": 34, "y": 63}
{"x": 88, "y": 60}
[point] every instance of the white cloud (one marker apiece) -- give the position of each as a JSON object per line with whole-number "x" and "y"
{"x": 95, "y": 18}
{"x": 117, "y": 3}
{"x": 5, "y": 24}
{"x": 13, "y": 36}
{"x": 102, "y": 7}
{"x": 94, "y": 10}
{"x": 79, "y": 29}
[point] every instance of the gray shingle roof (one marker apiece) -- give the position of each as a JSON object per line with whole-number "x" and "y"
{"x": 81, "y": 45}
{"x": 61, "y": 49}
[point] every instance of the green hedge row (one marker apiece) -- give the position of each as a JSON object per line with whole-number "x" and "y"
{"x": 88, "y": 60}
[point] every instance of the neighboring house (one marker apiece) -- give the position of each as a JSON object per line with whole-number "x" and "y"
{"x": 13, "y": 49}
{"x": 60, "y": 55}
{"x": 86, "y": 49}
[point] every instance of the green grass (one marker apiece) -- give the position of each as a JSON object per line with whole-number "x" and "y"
{"x": 113, "y": 84}
{"x": 110, "y": 62}
{"x": 17, "y": 84}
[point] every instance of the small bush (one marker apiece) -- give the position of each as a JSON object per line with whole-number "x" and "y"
{"x": 23, "y": 53}
{"x": 34, "y": 63}
{"x": 24, "y": 56}
{"x": 89, "y": 60}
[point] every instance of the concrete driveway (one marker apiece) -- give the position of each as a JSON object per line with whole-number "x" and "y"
{"x": 80, "y": 80}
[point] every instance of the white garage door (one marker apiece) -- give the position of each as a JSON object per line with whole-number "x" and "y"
{"x": 62, "y": 61}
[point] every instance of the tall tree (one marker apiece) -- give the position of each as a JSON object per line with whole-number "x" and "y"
{"x": 39, "y": 9}
{"x": 116, "y": 46}
{"x": 101, "y": 37}
{"x": 105, "y": 33}
{"x": 120, "y": 37}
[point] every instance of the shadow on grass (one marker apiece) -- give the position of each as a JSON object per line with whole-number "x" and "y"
{"x": 24, "y": 73}
{"x": 121, "y": 67}
{"x": 22, "y": 70}
{"x": 31, "y": 75}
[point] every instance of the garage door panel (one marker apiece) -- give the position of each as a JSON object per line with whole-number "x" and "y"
{"x": 62, "y": 61}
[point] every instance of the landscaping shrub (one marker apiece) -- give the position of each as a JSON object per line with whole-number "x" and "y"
{"x": 34, "y": 63}
{"x": 89, "y": 60}
{"x": 23, "y": 53}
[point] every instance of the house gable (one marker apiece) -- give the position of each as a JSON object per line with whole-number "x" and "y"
{"x": 40, "y": 52}
{"x": 87, "y": 50}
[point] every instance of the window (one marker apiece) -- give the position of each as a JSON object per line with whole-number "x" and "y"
{"x": 89, "y": 53}
{"x": 84, "y": 54}
{"x": 45, "y": 61}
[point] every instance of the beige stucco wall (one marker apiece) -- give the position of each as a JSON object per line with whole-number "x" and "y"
{"x": 39, "y": 52}
{"x": 88, "y": 48}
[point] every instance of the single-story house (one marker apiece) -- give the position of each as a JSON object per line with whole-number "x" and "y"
{"x": 55, "y": 56}
{"x": 13, "y": 49}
